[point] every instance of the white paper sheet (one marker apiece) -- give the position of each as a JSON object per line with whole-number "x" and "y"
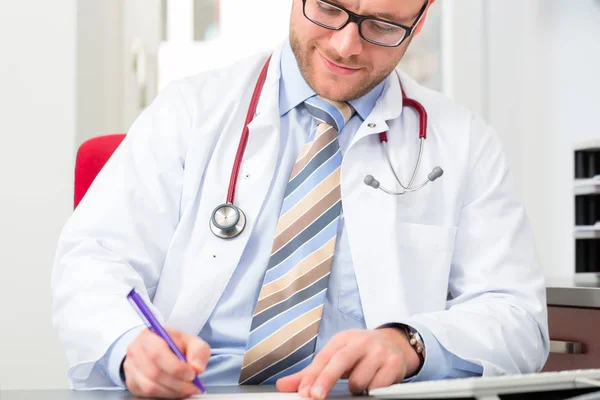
{"x": 237, "y": 396}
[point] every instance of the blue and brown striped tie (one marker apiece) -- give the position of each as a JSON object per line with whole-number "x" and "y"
{"x": 286, "y": 319}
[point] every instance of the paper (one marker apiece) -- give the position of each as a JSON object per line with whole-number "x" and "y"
{"x": 262, "y": 396}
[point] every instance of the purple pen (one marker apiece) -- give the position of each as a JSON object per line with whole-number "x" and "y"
{"x": 153, "y": 324}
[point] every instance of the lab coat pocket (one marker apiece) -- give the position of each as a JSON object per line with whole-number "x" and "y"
{"x": 433, "y": 237}
{"x": 424, "y": 258}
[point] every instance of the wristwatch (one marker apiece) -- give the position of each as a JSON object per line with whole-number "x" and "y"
{"x": 414, "y": 339}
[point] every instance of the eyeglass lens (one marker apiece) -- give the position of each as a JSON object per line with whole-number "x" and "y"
{"x": 332, "y": 17}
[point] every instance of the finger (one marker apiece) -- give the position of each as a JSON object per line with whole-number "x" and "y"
{"x": 363, "y": 373}
{"x": 159, "y": 352}
{"x": 343, "y": 361}
{"x": 161, "y": 355}
{"x": 309, "y": 377}
{"x": 393, "y": 371}
{"x": 196, "y": 350}
{"x": 337, "y": 343}
{"x": 319, "y": 362}
{"x": 290, "y": 383}
{"x": 141, "y": 386}
{"x": 149, "y": 368}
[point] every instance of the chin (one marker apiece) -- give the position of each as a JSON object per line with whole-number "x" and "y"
{"x": 338, "y": 92}
{"x": 324, "y": 83}
{"x": 332, "y": 88}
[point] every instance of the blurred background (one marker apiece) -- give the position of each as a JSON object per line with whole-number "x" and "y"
{"x": 74, "y": 69}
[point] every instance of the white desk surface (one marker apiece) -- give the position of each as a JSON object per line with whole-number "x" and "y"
{"x": 218, "y": 393}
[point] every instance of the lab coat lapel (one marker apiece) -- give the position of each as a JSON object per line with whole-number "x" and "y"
{"x": 218, "y": 258}
{"x": 370, "y": 215}
{"x": 387, "y": 107}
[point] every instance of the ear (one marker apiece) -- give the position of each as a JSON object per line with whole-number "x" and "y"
{"x": 422, "y": 21}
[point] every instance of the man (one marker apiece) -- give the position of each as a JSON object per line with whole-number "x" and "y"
{"x": 330, "y": 279}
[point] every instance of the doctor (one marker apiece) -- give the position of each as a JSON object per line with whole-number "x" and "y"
{"x": 329, "y": 279}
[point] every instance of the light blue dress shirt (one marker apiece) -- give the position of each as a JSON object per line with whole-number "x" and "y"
{"x": 226, "y": 330}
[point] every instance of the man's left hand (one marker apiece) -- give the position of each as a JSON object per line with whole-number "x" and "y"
{"x": 369, "y": 359}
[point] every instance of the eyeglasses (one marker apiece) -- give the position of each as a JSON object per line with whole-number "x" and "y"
{"x": 373, "y": 30}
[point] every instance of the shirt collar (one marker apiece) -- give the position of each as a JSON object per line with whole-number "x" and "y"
{"x": 294, "y": 90}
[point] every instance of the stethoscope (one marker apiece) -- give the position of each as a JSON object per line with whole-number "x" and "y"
{"x": 228, "y": 220}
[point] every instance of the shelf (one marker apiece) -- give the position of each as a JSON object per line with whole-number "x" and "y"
{"x": 587, "y": 186}
{"x": 587, "y": 279}
{"x": 587, "y": 232}
{"x": 588, "y": 145}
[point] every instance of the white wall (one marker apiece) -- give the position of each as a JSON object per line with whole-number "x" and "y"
{"x": 37, "y": 128}
{"x": 577, "y": 95}
{"x": 99, "y": 68}
{"x": 520, "y": 104}
{"x": 542, "y": 88}
{"x": 577, "y": 38}
{"x": 464, "y": 53}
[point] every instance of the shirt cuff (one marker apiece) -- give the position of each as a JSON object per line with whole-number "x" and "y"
{"x": 438, "y": 361}
{"x": 116, "y": 353}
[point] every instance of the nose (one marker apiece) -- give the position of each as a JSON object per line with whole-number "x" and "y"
{"x": 347, "y": 42}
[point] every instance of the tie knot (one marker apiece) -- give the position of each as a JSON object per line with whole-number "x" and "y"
{"x": 333, "y": 113}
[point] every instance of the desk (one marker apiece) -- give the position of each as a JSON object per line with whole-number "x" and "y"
{"x": 574, "y": 323}
{"x": 340, "y": 392}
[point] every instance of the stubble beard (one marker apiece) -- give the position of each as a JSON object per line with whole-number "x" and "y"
{"x": 301, "y": 52}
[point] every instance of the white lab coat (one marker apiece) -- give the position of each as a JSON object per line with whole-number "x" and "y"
{"x": 144, "y": 224}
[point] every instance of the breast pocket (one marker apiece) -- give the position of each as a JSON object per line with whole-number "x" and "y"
{"x": 421, "y": 236}
{"x": 424, "y": 259}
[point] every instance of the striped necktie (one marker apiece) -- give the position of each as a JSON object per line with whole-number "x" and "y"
{"x": 285, "y": 323}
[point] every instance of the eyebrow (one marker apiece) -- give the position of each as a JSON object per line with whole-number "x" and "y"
{"x": 385, "y": 15}
{"x": 394, "y": 18}
{"x": 408, "y": 21}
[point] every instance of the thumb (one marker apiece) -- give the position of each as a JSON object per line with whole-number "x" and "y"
{"x": 197, "y": 353}
{"x": 196, "y": 350}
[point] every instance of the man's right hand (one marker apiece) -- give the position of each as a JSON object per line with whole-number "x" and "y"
{"x": 152, "y": 370}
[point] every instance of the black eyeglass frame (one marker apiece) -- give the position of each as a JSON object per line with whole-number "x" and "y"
{"x": 358, "y": 19}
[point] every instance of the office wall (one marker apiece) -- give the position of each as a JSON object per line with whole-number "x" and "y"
{"x": 520, "y": 103}
{"x": 578, "y": 68}
{"x": 100, "y": 68}
{"x": 37, "y": 130}
{"x": 542, "y": 88}
{"x": 577, "y": 99}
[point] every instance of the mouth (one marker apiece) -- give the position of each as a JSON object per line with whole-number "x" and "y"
{"x": 337, "y": 68}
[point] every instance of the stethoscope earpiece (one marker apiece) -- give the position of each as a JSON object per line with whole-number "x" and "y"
{"x": 433, "y": 175}
{"x": 371, "y": 181}
{"x": 436, "y": 173}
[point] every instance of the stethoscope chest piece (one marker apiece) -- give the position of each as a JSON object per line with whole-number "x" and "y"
{"x": 227, "y": 221}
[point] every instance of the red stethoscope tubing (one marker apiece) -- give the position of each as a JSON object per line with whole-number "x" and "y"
{"x": 422, "y": 117}
{"x": 252, "y": 110}
{"x": 244, "y": 139}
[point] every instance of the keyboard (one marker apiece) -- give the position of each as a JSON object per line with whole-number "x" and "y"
{"x": 491, "y": 385}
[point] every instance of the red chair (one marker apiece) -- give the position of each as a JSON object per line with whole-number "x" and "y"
{"x": 91, "y": 157}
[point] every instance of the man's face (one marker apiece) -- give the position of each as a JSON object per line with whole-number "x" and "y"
{"x": 340, "y": 65}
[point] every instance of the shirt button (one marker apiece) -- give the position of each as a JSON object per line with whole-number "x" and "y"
{"x": 372, "y": 125}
